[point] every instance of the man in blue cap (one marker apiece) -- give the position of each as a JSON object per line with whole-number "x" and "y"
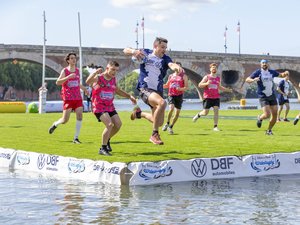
{"x": 266, "y": 93}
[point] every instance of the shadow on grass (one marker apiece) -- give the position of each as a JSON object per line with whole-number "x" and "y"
{"x": 12, "y": 126}
{"x": 132, "y": 142}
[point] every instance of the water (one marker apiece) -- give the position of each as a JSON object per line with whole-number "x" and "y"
{"x": 31, "y": 199}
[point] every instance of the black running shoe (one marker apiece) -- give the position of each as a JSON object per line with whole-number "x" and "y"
{"x": 76, "y": 141}
{"x": 109, "y": 149}
{"x": 258, "y": 122}
{"x": 104, "y": 151}
{"x": 296, "y": 121}
{"x": 52, "y": 128}
{"x": 286, "y": 120}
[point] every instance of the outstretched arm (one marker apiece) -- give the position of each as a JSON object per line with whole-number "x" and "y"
{"x": 126, "y": 95}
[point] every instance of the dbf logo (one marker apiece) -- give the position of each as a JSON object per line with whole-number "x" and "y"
{"x": 199, "y": 168}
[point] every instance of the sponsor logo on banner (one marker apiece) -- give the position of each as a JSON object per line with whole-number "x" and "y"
{"x": 297, "y": 160}
{"x": 5, "y": 155}
{"x": 23, "y": 158}
{"x": 199, "y": 168}
{"x": 102, "y": 168}
{"x": 264, "y": 163}
{"x": 152, "y": 171}
{"x": 50, "y": 160}
{"x": 76, "y": 166}
{"x": 221, "y": 166}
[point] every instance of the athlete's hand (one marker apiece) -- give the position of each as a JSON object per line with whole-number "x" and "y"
{"x": 72, "y": 75}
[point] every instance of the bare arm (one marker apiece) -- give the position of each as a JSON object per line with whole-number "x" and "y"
{"x": 251, "y": 80}
{"x": 125, "y": 95}
{"x": 186, "y": 84}
{"x": 63, "y": 78}
{"x": 284, "y": 74}
{"x": 92, "y": 78}
{"x": 204, "y": 82}
{"x": 225, "y": 89}
{"x": 166, "y": 85}
{"x": 175, "y": 67}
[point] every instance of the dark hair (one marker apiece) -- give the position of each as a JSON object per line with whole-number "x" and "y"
{"x": 178, "y": 63}
{"x": 113, "y": 63}
{"x": 92, "y": 65}
{"x": 159, "y": 40}
{"x": 68, "y": 56}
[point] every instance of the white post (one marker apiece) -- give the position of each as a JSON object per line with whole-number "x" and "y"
{"x": 80, "y": 50}
{"x": 43, "y": 89}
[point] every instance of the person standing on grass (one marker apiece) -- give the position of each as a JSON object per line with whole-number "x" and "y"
{"x": 297, "y": 117}
{"x": 211, "y": 95}
{"x": 265, "y": 90}
{"x": 177, "y": 84}
{"x": 69, "y": 79}
{"x": 104, "y": 87}
{"x": 283, "y": 98}
{"x": 153, "y": 69}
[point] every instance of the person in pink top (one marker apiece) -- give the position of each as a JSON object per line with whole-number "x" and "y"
{"x": 211, "y": 96}
{"x": 177, "y": 84}
{"x": 104, "y": 87}
{"x": 69, "y": 79}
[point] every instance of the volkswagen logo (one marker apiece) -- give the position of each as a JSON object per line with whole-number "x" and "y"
{"x": 199, "y": 168}
{"x": 41, "y": 161}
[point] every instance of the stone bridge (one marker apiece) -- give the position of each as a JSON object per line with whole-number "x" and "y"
{"x": 233, "y": 68}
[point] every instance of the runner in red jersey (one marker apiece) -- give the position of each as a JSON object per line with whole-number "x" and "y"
{"x": 104, "y": 87}
{"x": 69, "y": 79}
{"x": 177, "y": 84}
{"x": 211, "y": 96}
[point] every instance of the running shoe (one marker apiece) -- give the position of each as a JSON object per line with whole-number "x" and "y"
{"x": 269, "y": 132}
{"x": 216, "y": 129}
{"x": 76, "y": 141}
{"x": 165, "y": 127}
{"x": 155, "y": 139}
{"x": 195, "y": 118}
{"x": 296, "y": 120}
{"x": 278, "y": 120}
{"x": 286, "y": 120}
{"x": 104, "y": 151}
{"x": 170, "y": 130}
{"x": 52, "y": 128}
{"x": 136, "y": 113}
{"x": 258, "y": 122}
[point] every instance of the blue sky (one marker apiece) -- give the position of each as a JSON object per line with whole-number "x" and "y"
{"x": 267, "y": 26}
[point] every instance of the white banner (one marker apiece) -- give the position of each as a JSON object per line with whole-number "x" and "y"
{"x": 147, "y": 173}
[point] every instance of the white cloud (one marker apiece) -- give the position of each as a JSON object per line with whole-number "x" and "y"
{"x": 110, "y": 23}
{"x": 165, "y": 9}
{"x": 159, "y": 17}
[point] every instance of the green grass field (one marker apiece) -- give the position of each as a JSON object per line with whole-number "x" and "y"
{"x": 238, "y": 136}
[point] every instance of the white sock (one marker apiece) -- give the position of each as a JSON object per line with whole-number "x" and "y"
{"x": 78, "y": 127}
{"x": 56, "y": 123}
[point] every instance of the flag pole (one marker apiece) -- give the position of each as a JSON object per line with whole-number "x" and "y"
{"x": 143, "y": 28}
{"x": 225, "y": 39}
{"x": 239, "y": 33}
{"x": 137, "y": 35}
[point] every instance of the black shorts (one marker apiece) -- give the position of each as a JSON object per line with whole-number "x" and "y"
{"x": 145, "y": 93}
{"x": 211, "y": 102}
{"x": 270, "y": 100}
{"x": 176, "y": 100}
{"x": 282, "y": 101}
{"x": 111, "y": 114}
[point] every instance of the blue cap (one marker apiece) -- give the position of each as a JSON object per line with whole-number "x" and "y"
{"x": 263, "y": 61}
